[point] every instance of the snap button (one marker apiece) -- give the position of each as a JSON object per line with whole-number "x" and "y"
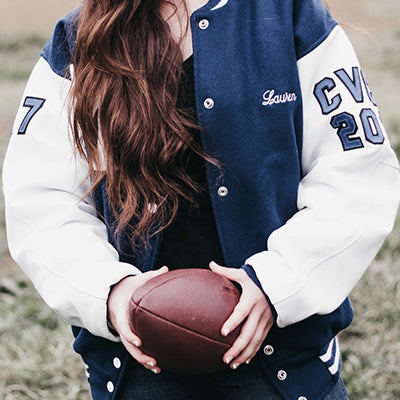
{"x": 282, "y": 375}
{"x": 117, "y": 363}
{"x": 87, "y": 371}
{"x": 110, "y": 386}
{"x": 208, "y": 103}
{"x": 152, "y": 207}
{"x": 302, "y": 398}
{"x": 268, "y": 350}
{"x": 204, "y": 24}
{"x": 222, "y": 191}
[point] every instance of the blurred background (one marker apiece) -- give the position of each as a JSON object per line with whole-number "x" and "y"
{"x": 36, "y": 358}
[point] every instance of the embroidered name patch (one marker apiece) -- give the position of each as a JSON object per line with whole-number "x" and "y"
{"x": 270, "y": 98}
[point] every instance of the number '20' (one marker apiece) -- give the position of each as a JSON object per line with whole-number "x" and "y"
{"x": 347, "y": 128}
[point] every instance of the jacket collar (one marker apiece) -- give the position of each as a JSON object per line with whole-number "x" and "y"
{"x": 220, "y": 4}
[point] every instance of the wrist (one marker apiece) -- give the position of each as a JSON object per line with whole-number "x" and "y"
{"x": 253, "y": 276}
{"x": 113, "y": 298}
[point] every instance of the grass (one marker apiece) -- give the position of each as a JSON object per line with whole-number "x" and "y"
{"x": 371, "y": 347}
{"x": 17, "y": 54}
{"x": 36, "y": 359}
{"x": 35, "y": 346}
{"x": 392, "y": 55}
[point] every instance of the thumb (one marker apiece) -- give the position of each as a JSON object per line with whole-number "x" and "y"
{"x": 234, "y": 274}
{"x": 216, "y": 267}
{"x": 159, "y": 271}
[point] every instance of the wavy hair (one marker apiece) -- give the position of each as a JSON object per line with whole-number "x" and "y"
{"x": 125, "y": 120}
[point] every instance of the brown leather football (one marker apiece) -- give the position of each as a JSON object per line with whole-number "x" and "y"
{"x": 179, "y": 315}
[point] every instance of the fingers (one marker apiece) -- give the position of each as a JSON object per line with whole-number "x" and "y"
{"x": 234, "y": 274}
{"x": 239, "y": 314}
{"x": 132, "y": 343}
{"x": 151, "y": 274}
{"x": 253, "y": 309}
{"x": 252, "y": 335}
{"x": 118, "y": 311}
{"x": 142, "y": 358}
{"x": 244, "y": 305}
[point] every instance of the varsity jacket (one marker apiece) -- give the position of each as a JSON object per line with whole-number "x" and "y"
{"x": 310, "y": 190}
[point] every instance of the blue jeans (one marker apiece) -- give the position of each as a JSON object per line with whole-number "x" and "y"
{"x": 248, "y": 382}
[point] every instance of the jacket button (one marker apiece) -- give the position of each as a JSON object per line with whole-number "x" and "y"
{"x": 152, "y": 207}
{"x": 208, "y": 103}
{"x": 110, "y": 386}
{"x": 302, "y": 398}
{"x": 87, "y": 370}
{"x": 282, "y": 375}
{"x": 117, "y": 363}
{"x": 222, "y": 191}
{"x": 268, "y": 350}
{"x": 204, "y": 24}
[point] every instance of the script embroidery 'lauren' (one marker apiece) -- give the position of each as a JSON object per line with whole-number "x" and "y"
{"x": 270, "y": 98}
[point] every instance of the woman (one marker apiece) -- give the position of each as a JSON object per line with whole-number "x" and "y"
{"x": 245, "y": 135}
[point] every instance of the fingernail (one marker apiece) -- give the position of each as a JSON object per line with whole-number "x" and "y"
{"x": 225, "y": 332}
{"x": 248, "y": 362}
{"x": 155, "y": 371}
{"x": 235, "y": 366}
{"x": 151, "y": 364}
{"x": 228, "y": 360}
{"x": 136, "y": 343}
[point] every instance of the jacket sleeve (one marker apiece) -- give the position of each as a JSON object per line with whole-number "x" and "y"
{"x": 53, "y": 231}
{"x": 348, "y": 195}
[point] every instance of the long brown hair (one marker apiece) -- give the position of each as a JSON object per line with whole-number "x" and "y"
{"x": 125, "y": 121}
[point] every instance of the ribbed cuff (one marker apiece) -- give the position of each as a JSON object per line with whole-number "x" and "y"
{"x": 111, "y": 329}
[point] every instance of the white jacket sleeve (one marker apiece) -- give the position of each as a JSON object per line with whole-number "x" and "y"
{"x": 53, "y": 233}
{"x": 348, "y": 196}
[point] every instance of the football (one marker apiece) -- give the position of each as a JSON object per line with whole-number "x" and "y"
{"x": 179, "y": 315}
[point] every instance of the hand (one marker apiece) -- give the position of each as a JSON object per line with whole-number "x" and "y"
{"x": 118, "y": 302}
{"x": 253, "y": 308}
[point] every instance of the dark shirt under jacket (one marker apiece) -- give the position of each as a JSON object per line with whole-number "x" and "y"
{"x": 191, "y": 241}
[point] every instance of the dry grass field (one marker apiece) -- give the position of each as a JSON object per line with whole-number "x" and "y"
{"x": 36, "y": 359}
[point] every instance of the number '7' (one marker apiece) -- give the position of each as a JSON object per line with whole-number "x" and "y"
{"x": 34, "y": 104}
